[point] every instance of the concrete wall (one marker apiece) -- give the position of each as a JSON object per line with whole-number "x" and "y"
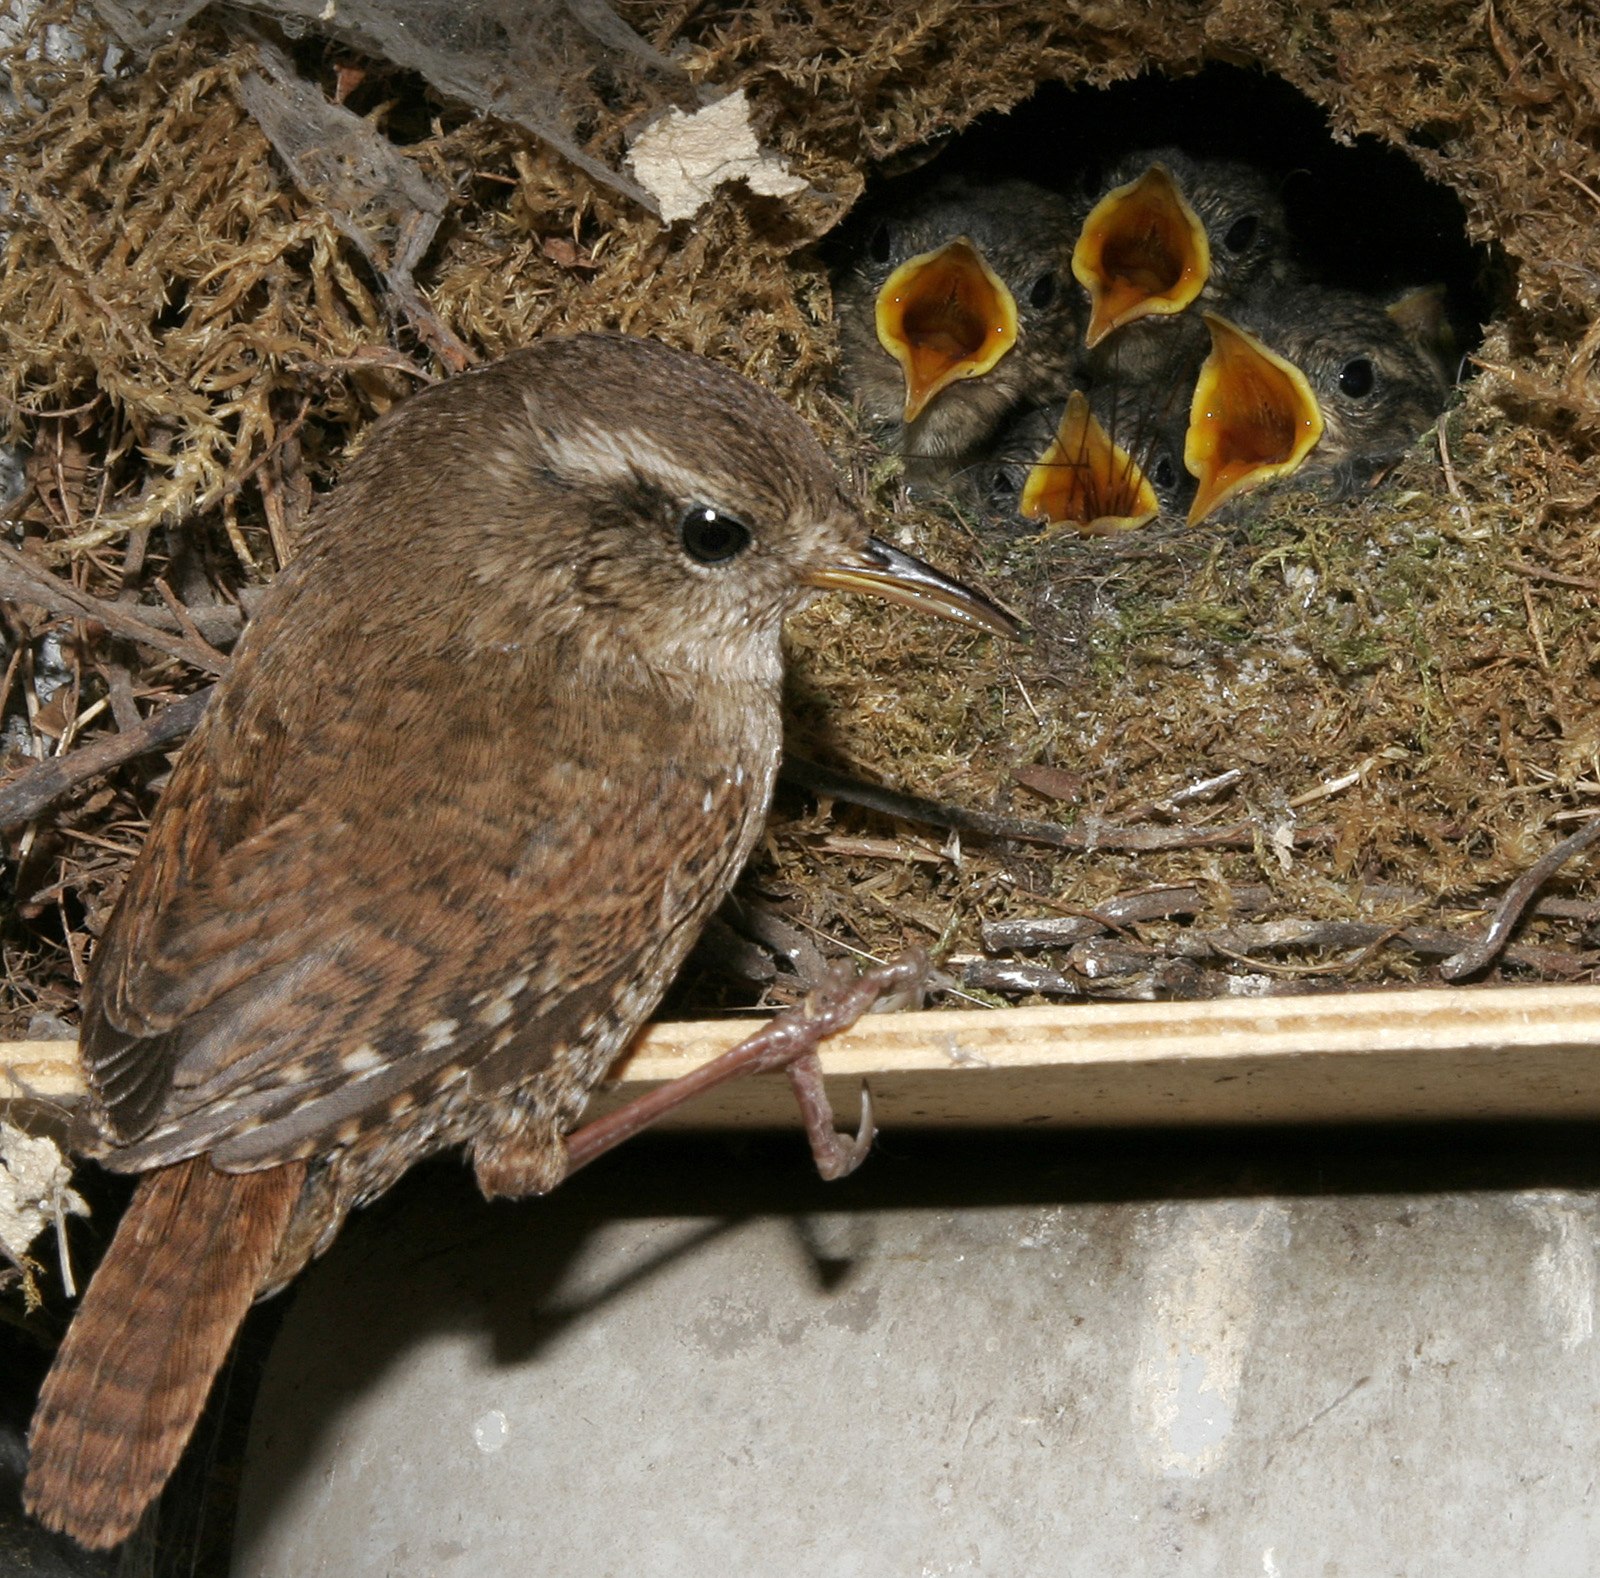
{"x": 1353, "y": 1355}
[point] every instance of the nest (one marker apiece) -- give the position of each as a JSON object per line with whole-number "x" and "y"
{"x": 1300, "y": 749}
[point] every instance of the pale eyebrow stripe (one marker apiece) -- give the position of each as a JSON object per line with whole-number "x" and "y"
{"x": 609, "y": 455}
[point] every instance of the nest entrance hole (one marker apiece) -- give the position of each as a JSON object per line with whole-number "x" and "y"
{"x": 1363, "y": 215}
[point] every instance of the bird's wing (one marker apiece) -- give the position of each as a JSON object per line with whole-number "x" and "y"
{"x": 286, "y": 967}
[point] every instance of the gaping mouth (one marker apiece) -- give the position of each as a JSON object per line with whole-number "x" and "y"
{"x": 944, "y": 316}
{"x": 1253, "y": 418}
{"x": 887, "y": 572}
{"x": 1085, "y": 479}
{"x": 1142, "y": 250}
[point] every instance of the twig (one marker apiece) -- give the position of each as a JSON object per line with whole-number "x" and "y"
{"x": 1582, "y": 186}
{"x": 1452, "y": 486}
{"x": 22, "y": 581}
{"x": 187, "y": 625}
{"x": 119, "y": 688}
{"x": 1168, "y": 805}
{"x": 1474, "y": 958}
{"x": 1093, "y": 836}
{"x": 1429, "y": 942}
{"x": 1009, "y": 976}
{"x": 1539, "y": 573}
{"x": 1330, "y": 967}
{"x": 383, "y": 203}
{"x": 34, "y": 791}
{"x": 1055, "y": 931}
{"x": 1533, "y": 628}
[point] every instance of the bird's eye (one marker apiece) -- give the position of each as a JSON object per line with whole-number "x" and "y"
{"x": 1044, "y": 290}
{"x": 710, "y": 537}
{"x": 1358, "y": 378}
{"x": 881, "y": 244}
{"x": 1163, "y": 474}
{"x": 1241, "y": 233}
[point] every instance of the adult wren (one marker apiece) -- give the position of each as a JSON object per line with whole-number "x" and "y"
{"x": 496, "y": 744}
{"x": 955, "y": 308}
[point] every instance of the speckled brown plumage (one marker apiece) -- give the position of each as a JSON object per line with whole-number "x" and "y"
{"x": 494, "y": 747}
{"x": 188, "y": 1255}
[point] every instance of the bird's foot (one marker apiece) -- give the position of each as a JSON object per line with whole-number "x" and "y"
{"x": 788, "y": 1041}
{"x": 836, "y": 1155}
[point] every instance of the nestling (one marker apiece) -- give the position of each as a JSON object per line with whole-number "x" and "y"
{"x": 1358, "y": 390}
{"x": 496, "y": 744}
{"x": 1145, "y": 422}
{"x": 1023, "y": 236}
{"x": 1377, "y": 386}
{"x": 1170, "y": 231}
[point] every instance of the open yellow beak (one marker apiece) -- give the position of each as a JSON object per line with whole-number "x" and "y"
{"x": 944, "y": 316}
{"x": 1253, "y": 418}
{"x": 1085, "y": 479}
{"x": 1142, "y": 250}
{"x": 887, "y": 572}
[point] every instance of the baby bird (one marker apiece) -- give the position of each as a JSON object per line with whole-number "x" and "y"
{"x": 1169, "y": 232}
{"x": 954, "y": 309}
{"x": 1254, "y": 417}
{"x": 1105, "y": 462}
{"x": 1373, "y": 387}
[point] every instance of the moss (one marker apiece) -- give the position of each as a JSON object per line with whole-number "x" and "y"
{"x": 217, "y": 345}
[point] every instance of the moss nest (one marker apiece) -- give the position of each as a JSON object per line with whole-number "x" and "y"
{"x": 1395, "y": 692}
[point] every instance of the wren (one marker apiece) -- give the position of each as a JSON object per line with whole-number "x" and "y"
{"x": 496, "y": 744}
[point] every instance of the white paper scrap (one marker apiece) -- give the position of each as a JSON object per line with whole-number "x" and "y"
{"x": 682, "y": 159}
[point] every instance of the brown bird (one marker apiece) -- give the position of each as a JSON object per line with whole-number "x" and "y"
{"x": 496, "y": 744}
{"x": 1168, "y": 231}
{"x": 954, "y": 308}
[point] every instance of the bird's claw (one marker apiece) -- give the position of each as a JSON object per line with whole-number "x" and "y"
{"x": 836, "y": 1155}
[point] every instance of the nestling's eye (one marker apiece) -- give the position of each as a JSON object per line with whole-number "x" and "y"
{"x": 1358, "y": 378}
{"x": 1163, "y": 474}
{"x": 710, "y": 537}
{"x": 881, "y": 244}
{"x": 1044, "y": 291}
{"x": 1241, "y": 233}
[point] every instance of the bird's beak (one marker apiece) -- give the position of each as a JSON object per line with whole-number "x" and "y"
{"x": 1142, "y": 250}
{"x": 1085, "y": 479}
{"x": 1253, "y": 418}
{"x": 887, "y": 572}
{"x": 944, "y": 316}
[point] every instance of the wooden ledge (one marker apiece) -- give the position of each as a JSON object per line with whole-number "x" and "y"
{"x": 1492, "y": 1052}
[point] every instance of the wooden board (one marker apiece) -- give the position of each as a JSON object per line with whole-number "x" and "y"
{"x": 1464, "y": 1053}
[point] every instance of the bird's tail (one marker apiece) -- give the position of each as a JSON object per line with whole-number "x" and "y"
{"x": 128, "y": 1384}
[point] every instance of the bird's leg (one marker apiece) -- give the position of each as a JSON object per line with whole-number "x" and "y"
{"x": 789, "y": 1041}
